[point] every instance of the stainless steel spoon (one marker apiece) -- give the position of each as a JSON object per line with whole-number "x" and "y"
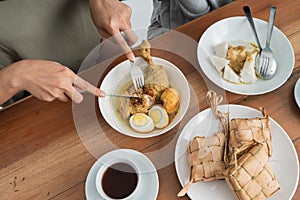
{"x": 252, "y": 25}
{"x": 265, "y": 61}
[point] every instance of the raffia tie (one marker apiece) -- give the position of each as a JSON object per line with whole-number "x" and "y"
{"x": 215, "y": 100}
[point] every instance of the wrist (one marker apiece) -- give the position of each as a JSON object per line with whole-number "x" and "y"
{"x": 8, "y": 83}
{"x": 12, "y": 77}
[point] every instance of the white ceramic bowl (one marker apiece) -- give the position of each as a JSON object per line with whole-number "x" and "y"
{"x": 238, "y": 29}
{"x": 297, "y": 92}
{"x": 120, "y": 76}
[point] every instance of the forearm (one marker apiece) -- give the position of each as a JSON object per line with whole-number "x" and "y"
{"x": 7, "y": 84}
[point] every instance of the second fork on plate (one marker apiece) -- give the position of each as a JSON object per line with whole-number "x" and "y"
{"x": 266, "y": 63}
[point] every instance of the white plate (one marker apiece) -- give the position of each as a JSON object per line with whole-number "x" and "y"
{"x": 149, "y": 177}
{"x": 297, "y": 92}
{"x": 120, "y": 76}
{"x": 238, "y": 29}
{"x": 284, "y": 160}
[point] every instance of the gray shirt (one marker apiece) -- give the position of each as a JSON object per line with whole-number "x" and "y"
{"x": 169, "y": 14}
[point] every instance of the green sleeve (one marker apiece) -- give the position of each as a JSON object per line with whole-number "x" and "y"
{"x": 6, "y": 57}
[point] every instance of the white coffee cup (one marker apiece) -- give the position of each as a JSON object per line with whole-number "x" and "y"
{"x": 103, "y": 169}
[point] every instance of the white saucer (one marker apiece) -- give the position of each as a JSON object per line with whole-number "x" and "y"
{"x": 297, "y": 92}
{"x": 150, "y": 183}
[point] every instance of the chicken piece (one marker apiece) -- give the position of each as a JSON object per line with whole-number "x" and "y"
{"x": 144, "y": 51}
{"x": 124, "y": 107}
{"x": 141, "y": 105}
{"x": 156, "y": 80}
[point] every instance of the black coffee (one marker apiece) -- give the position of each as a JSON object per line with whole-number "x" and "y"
{"x": 119, "y": 181}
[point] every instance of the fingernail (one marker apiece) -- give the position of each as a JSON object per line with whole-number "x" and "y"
{"x": 79, "y": 100}
{"x": 131, "y": 56}
{"x": 100, "y": 93}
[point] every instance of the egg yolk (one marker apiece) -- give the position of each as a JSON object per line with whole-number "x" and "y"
{"x": 140, "y": 120}
{"x": 155, "y": 115}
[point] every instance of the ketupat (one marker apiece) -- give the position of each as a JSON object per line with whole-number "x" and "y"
{"x": 246, "y": 149}
{"x": 252, "y": 178}
{"x": 205, "y": 157}
{"x": 245, "y": 133}
{"x": 206, "y": 154}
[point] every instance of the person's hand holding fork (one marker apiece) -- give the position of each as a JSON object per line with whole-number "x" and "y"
{"x": 48, "y": 80}
{"x": 112, "y": 18}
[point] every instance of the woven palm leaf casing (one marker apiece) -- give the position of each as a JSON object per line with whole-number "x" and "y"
{"x": 252, "y": 178}
{"x": 205, "y": 157}
{"x": 206, "y": 154}
{"x": 245, "y": 133}
{"x": 239, "y": 153}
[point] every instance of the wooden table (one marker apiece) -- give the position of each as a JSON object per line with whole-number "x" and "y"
{"x": 45, "y": 147}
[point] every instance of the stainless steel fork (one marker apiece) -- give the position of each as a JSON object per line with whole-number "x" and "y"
{"x": 137, "y": 76}
{"x": 266, "y": 63}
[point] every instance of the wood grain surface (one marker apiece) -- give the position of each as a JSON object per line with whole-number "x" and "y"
{"x": 46, "y": 147}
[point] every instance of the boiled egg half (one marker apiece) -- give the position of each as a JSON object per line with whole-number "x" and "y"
{"x": 141, "y": 122}
{"x": 159, "y": 116}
